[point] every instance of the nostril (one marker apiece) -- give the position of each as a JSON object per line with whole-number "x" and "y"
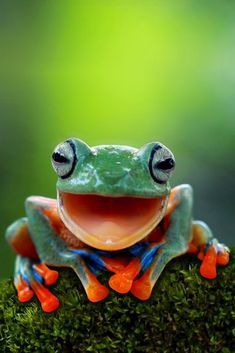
{"x": 166, "y": 164}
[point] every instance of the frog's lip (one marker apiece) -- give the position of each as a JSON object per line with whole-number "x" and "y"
{"x": 110, "y": 223}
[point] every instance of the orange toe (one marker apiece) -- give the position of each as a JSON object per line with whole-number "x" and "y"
{"x": 50, "y": 304}
{"x": 222, "y": 258}
{"x": 114, "y": 265}
{"x": 208, "y": 271}
{"x": 24, "y": 295}
{"x": 208, "y": 266}
{"x": 96, "y": 292}
{"x": 24, "y": 292}
{"x": 120, "y": 283}
{"x": 51, "y": 277}
{"x": 142, "y": 288}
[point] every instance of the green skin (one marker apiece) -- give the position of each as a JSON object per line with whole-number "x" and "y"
{"x": 108, "y": 170}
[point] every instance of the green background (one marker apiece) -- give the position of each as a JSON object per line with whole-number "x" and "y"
{"x": 125, "y": 72}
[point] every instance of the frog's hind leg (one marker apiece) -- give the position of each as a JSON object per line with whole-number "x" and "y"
{"x": 207, "y": 249}
{"x": 18, "y": 236}
{"x": 29, "y": 272}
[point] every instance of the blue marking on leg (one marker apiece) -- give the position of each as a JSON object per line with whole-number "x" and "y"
{"x": 137, "y": 249}
{"x": 93, "y": 268}
{"x": 208, "y": 244}
{"x": 93, "y": 260}
{"x": 37, "y": 276}
{"x": 25, "y": 277}
{"x": 104, "y": 253}
{"x": 148, "y": 255}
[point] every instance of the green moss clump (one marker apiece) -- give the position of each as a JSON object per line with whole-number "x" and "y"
{"x": 186, "y": 313}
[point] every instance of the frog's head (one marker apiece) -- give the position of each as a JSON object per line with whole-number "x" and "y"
{"x": 112, "y": 196}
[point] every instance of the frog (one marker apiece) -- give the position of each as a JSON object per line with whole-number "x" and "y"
{"x": 115, "y": 212}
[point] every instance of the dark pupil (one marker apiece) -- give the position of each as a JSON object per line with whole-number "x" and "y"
{"x": 59, "y": 158}
{"x": 167, "y": 164}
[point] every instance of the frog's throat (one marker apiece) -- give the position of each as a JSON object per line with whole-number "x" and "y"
{"x": 110, "y": 223}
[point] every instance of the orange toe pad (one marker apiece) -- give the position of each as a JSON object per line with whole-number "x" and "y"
{"x": 50, "y": 304}
{"x": 25, "y": 295}
{"x": 120, "y": 283}
{"x": 96, "y": 293}
{"x": 141, "y": 288}
{"x": 222, "y": 258}
{"x": 208, "y": 266}
{"x": 51, "y": 277}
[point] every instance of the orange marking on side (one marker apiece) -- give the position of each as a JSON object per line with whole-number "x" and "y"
{"x": 173, "y": 201}
{"x": 192, "y": 249}
{"x": 201, "y": 255}
{"x": 60, "y": 229}
{"x": 22, "y": 243}
{"x": 53, "y": 215}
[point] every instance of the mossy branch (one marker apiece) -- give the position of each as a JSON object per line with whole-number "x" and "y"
{"x": 186, "y": 313}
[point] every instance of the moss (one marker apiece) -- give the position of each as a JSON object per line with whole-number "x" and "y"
{"x": 185, "y": 314}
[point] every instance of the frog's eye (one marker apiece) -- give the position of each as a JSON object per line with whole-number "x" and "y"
{"x": 64, "y": 159}
{"x": 161, "y": 163}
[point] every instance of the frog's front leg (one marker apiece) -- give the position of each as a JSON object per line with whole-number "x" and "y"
{"x": 177, "y": 238}
{"x": 51, "y": 250}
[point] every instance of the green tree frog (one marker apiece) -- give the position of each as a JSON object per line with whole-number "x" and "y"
{"x": 115, "y": 211}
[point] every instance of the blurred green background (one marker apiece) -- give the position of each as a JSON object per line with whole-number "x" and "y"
{"x": 125, "y": 72}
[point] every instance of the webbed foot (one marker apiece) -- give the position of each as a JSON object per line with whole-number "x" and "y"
{"x": 28, "y": 280}
{"x": 211, "y": 254}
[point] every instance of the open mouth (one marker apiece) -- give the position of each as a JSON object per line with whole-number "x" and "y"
{"x": 110, "y": 223}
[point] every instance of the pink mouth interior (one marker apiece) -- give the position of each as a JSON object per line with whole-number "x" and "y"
{"x": 109, "y": 220}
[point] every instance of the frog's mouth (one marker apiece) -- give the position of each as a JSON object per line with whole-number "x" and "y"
{"x": 110, "y": 223}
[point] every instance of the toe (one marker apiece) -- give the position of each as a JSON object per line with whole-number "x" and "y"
{"x": 142, "y": 288}
{"x": 95, "y": 290}
{"x": 120, "y": 283}
{"x": 222, "y": 258}
{"x": 51, "y": 277}
{"x": 50, "y": 304}
{"x": 24, "y": 295}
{"x": 208, "y": 266}
{"x": 48, "y": 301}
